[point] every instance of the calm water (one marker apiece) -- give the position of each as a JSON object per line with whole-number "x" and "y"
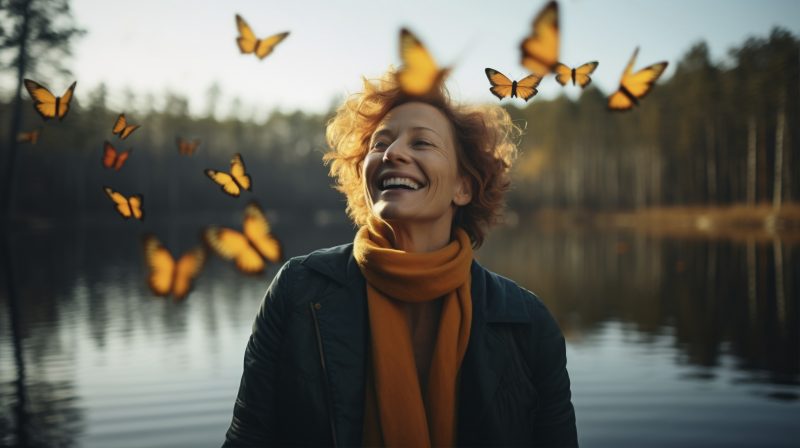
{"x": 670, "y": 343}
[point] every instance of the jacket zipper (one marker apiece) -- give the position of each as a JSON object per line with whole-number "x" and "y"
{"x": 328, "y": 398}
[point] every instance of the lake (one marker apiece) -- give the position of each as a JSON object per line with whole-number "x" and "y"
{"x": 670, "y": 342}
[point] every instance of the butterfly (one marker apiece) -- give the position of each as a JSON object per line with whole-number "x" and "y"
{"x": 236, "y": 181}
{"x": 187, "y": 147}
{"x": 48, "y": 105}
{"x": 112, "y": 158}
{"x": 126, "y": 207}
{"x": 419, "y": 73}
{"x": 28, "y": 137}
{"x": 122, "y": 129}
{"x": 540, "y": 48}
{"x": 168, "y": 276}
{"x": 248, "y": 43}
{"x": 578, "y": 75}
{"x": 250, "y": 248}
{"x": 502, "y": 87}
{"x": 635, "y": 86}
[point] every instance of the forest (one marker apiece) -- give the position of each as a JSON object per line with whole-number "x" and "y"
{"x": 717, "y": 132}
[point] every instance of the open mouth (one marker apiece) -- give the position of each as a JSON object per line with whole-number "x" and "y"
{"x": 399, "y": 183}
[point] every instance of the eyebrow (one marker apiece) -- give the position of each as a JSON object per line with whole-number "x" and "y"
{"x": 387, "y": 131}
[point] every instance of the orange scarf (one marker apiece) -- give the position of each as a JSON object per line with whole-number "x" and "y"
{"x": 393, "y": 392}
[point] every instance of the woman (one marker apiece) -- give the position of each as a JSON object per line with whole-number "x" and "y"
{"x": 401, "y": 338}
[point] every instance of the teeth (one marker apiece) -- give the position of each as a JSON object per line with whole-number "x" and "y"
{"x": 400, "y": 181}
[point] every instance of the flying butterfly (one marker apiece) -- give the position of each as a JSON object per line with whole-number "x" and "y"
{"x": 122, "y": 129}
{"x": 635, "y": 86}
{"x": 168, "y": 276}
{"x": 48, "y": 105}
{"x": 234, "y": 182}
{"x": 419, "y": 73}
{"x": 502, "y": 87}
{"x": 187, "y": 147}
{"x": 248, "y": 43}
{"x": 578, "y": 75}
{"x": 113, "y": 158}
{"x": 540, "y": 48}
{"x": 28, "y": 137}
{"x": 249, "y": 249}
{"x": 126, "y": 206}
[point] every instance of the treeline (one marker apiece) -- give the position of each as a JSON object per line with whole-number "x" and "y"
{"x": 717, "y": 132}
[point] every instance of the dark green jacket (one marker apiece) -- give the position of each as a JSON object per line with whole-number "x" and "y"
{"x": 303, "y": 381}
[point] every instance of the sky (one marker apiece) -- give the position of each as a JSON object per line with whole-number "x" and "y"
{"x": 185, "y": 46}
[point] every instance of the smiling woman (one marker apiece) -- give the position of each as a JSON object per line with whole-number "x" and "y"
{"x": 401, "y": 338}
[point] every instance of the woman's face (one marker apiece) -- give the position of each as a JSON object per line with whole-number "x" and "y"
{"x": 411, "y": 168}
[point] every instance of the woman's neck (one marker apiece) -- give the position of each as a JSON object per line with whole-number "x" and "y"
{"x": 420, "y": 236}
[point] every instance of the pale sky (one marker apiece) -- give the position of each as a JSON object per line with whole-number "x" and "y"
{"x": 186, "y": 45}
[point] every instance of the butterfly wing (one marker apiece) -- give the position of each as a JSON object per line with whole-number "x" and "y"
{"x": 239, "y": 174}
{"x": 187, "y": 268}
{"x": 128, "y": 130}
{"x": 43, "y": 101}
{"x": 121, "y": 158}
{"x": 540, "y": 49}
{"x": 109, "y": 155}
{"x": 247, "y": 39}
{"x": 256, "y": 229}
{"x": 120, "y": 201}
{"x": 501, "y": 85}
{"x": 119, "y": 125}
{"x": 28, "y": 137}
{"x": 419, "y": 73}
{"x": 619, "y": 101}
{"x": 563, "y": 73}
{"x": 226, "y": 181}
{"x": 526, "y": 87}
{"x": 640, "y": 83}
{"x": 136, "y": 202}
{"x": 64, "y": 102}
{"x": 161, "y": 266}
{"x": 233, "y": 245}
{"x": 582, "y": 73}
{"x": 265, "y": 46}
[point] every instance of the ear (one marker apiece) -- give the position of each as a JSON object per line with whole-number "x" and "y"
{"x": 463, "y": 193}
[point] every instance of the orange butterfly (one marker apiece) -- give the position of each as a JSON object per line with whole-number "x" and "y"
{"x": 540, "y": 48}
{"x": 127, "y": 207}
{"x": 250, "y": 248}
{"x": 112, "y": 158}
{"x": 248, "y": 43}
{"x": 236, "y": 181}
{"x": 187, "y": 147}
{"x": 578, "y": 75}
{"x": 28, "y": 137}
{"x": 502, "y": 87}
{"x": 635, "y": 86}
{"x": 48, "y": 105}
{"x": 122, "y": 129}
{"x": 419, "y": 73}
{"x": 168, "y": 276}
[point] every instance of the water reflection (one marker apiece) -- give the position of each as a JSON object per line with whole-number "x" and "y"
{"x": 702, "y": 334}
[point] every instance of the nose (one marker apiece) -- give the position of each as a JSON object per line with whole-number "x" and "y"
{"x": 398, "y": 151}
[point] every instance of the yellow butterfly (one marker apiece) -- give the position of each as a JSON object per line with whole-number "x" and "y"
{"x": 48, "y": 105}
{"x": 187, "y": 147}
{"x": 578, "y": 75}
{"x": 168, "y": 276}
{"x": 126, "y": 207}
{"x": 249, "y": 249}
{"x": 28, "y": 137}
{"x": 419, "y": 73}
{"x": 502, "y": 87}
{"x": 122, "y": 129}
{"x": 540, "y": 48}
{"x": 635, "y": 86}
{"x": 248, "y": 43}
{"x": 113, "y": 158}
{"x": 236, "y": 181}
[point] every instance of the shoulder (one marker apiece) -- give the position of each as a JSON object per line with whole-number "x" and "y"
{"x": 504, "y": 301}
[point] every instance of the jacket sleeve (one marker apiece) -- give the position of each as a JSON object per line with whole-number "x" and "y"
{"x": 255, "y": 411}
{"x": 554, "y": 419}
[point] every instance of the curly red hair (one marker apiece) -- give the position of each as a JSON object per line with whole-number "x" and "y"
{"x": 485, "y": 145}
